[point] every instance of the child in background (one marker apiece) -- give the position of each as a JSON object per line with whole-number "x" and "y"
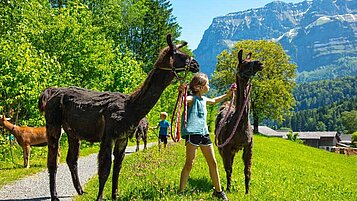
{"x": 196, "y": 132}
{"x": 164, "y": 125}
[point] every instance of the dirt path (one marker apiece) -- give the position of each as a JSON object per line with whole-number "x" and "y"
{"x": 36, "y": 187}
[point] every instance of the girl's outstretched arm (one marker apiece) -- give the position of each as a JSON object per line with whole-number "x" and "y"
{"x": 219, "y": 99}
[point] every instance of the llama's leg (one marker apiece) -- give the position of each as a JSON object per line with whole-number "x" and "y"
{"x": 145, "y": 138}
{"x": 137, "y": 136}
{"x": 228, "y": 157}
{"x": 59, "y": 156}
{"x": 53, "y": 136}
{"x": 72, "y": 162}
{"x": 26, "y": 150}
{"x": 119, "y": 153}
{"x": 104, "y": 163}
{"x": 247, "y": 158}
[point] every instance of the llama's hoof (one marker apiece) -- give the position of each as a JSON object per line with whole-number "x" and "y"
{"x": 114, "y": 196}
{"x": 54, "y": 199}
{"x": 80, "y": 191}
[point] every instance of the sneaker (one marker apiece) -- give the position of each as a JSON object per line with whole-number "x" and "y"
{"x": 220, "y": 195}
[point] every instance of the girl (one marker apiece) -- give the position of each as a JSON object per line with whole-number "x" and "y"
{"x": 196, "y": 131}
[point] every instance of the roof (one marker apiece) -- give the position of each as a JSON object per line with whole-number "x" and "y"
{"x": 270, "y": 132}
{"x": 301, "y": 135}
{"x": 316, "y": 135}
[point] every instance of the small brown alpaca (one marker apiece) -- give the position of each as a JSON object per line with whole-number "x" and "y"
{"x": 230, "y": 142}
{"x": 105, "y": 117}
{"x": 26, "y": 137}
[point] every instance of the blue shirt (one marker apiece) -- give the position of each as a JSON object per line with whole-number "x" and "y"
{"x": 164, "y": 125}
{"x": 196, "y": 118}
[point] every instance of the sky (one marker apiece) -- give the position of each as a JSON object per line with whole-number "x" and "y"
{"x": 195, "y": 16}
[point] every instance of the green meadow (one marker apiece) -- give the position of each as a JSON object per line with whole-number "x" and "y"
{"x": 282, "y": 170}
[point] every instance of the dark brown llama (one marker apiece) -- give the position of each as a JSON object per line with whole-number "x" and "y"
{"x": 141, "y": 132}
{"x": 26, "y": 137}
{"x": 106, "y": 117}
{"x": 242, "y": 137}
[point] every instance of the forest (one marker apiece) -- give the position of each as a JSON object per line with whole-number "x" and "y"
{"x": 320, "y": 105}
{"x": 103, "y": 46}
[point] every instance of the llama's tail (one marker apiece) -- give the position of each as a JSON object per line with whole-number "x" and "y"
{"x": 44, "y": 97}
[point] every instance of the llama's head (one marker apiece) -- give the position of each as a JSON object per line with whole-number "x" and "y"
{"x": 3, "y": 119}
{"x": 171, "y": 58}
{"x": 247, "y": 68}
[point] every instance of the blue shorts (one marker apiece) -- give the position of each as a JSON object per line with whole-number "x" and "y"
{"x": 163, "y": 138}
{"x": 198, "y": 140}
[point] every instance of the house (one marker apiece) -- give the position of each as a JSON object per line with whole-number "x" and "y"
{"x": 319, "y": 139}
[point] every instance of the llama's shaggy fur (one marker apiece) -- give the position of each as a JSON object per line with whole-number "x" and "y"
{"x": 106, "y": 117}
{"x": 243, "y": 136}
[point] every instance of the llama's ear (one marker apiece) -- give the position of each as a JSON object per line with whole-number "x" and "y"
{"x": 249, "y": 55}
{"x": 169, "y": 43}
{"x": 181, "y": 45}
{"x": 240, "y": 55}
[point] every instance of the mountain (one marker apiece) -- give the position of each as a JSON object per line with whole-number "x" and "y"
{"x": 315, "y": 34}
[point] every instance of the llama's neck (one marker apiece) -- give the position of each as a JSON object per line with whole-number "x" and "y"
{"x": 144, "y": 99}
{"x": 242, "y": 96}
{"x": 9, "y": 126}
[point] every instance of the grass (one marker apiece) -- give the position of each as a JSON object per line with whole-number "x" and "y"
{"x": 282, "y": 170}
{"x": 11, "y": 171}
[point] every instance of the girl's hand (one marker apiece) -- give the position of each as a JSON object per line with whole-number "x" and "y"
{"x": 182, "y": 87}
{"x": 232, "y": 89}
{"x": 234, "y": 86}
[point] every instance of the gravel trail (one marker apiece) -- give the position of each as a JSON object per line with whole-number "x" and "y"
{"x": 36, "y": 187}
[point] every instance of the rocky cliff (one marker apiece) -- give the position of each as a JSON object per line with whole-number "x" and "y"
{"x": 313, "y": 33}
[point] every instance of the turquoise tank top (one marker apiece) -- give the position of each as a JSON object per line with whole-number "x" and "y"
{"x": 196, "y": 118}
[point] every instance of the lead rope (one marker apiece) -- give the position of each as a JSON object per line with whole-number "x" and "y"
{"x": 226, "y": 116}
{"x": 236, "y": 125}
{"x": 181, "y": 98}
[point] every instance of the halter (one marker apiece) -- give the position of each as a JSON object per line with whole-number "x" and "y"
{"x": 175, "y": 70}
{"x": 249, "y": 72}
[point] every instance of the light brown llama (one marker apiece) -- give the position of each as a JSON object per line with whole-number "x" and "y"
{"x": 26, "y": 137}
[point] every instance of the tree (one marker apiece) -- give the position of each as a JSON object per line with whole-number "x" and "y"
{"x": 349, "y": 121}
{"x": 354, "y": 138}
{"x": 139, "y": 26}
{"x": 47, "y": 46}
{"x": 294, "y": 137}
{"x": 271, "y": 95}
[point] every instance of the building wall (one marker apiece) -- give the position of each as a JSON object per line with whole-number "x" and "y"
{"x": 327, "y": 141}
{"x": 312, "y": 142}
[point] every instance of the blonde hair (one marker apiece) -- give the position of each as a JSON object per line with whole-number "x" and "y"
{"x": 199, "y": 80}
{"x": 163, "y": 114}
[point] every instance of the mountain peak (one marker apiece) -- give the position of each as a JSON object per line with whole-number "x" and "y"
{"x": 276, "y": 4}
{"x": 320, "y": 31}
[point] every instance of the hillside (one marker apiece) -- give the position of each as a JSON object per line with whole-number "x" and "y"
{"x": 320, "y": 93}
{"x": 315, "y": 34}
{"x": 282, "y": 170}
